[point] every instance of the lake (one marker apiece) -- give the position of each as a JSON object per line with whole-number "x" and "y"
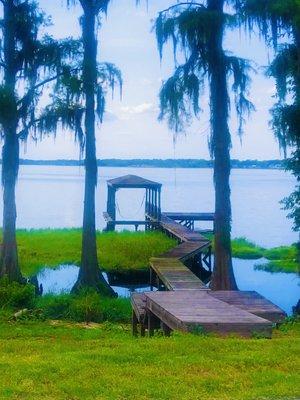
{"x": 51, "y": 196}
{"x": 280, "y": 288}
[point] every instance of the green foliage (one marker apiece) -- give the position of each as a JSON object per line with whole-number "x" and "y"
{"x": 72, "y": 361}
{"x": 280, "y": 20}
{"x": 281, "y": 259}
{"x": 86, "y": 307}
{"x": 190, "y": 28}
{"x": 244, "y": 249}
{"x": 67, "y": 106}
{"x": 15, "y": 295}
{"x": 38, "y": 61}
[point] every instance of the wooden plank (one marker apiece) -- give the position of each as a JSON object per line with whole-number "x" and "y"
{"x": 190, "y": 310}
{"x": 190, "y": 216}
{"x": 251, "y": 302}
{"x": 181, "y": 232}
{"x": 175, "y": 275}
{"x": 138, "y": 302}
{"x": 186, "y": 250}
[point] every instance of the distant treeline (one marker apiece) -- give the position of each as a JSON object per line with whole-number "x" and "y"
{"x": 158, "y": 163}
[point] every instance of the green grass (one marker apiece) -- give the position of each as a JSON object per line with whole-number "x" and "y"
{"x": 60, "y": 361}
{"x": 244, "y": 249}
{"x": 86, "y": 307}
{"x": 122, "y": 251}
{"x": 281, "y": 259}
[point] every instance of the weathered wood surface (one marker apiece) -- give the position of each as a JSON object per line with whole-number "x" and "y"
{"x": 138, "y": 302}
{"x": 182, "y": 233}
{"x": 197, "y": 310}
{"x": 124, "y": 222}
{"x": 175, "y": 275}
{"x": 139, "y": 314}
{"x": 186, "y": 250}
{"x": 252, "y": 302}
{"x": 181, "y": 216}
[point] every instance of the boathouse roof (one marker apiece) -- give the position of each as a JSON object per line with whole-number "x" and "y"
{"x": 133, "y": 181}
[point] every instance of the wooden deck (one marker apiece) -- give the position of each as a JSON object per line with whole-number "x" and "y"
{"x": 180, "y": 232}
{"x": 186, "y": 250}
{"x": 198, "y": 311}
{"x": 252, "y": 302}
{"x": 174, "y": 275}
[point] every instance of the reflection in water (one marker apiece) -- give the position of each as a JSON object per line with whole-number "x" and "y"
{"x": 280, "y": 288}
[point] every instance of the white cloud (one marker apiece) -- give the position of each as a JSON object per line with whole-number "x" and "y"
{"x": 139, "y": 109}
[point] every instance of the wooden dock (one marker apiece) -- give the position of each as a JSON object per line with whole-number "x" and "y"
{"x": 183, "y": 302}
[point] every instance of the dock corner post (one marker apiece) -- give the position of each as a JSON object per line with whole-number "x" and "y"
{"x": 166, "y": 330}
{"x": 151, "y": 279}
{"x": 111, "y": 207}
{"x": 134, "y": 323}
{"x": 209, "y": 259}
{"x": 159, "y": 204}
{"x": 151, "y": 323}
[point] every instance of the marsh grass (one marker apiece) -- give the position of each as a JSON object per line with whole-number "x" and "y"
{"x": 117, "y": 251}
{"x": 86, "y": 307}
{"x": 244, "y": 249}
{"x": 281, "y": 259}
{"x": 126, "y": 252}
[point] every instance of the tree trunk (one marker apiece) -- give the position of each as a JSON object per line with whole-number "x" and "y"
{"x": 90, "y": 274}
{"x": 9, "y": 265}
{"x": 9, "y": 254}
{"x": 222, "y": 277}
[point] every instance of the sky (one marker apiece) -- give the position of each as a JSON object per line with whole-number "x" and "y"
{"x": 131, "y": 128}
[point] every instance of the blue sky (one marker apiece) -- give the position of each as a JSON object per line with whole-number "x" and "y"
{"x": 131, "y": 128}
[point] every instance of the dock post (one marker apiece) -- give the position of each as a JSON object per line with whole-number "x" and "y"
{"x": 151, "y": 323}
{"x": 166, "y": 330}
{"x": 134, "y": 323}
{"x": 151, "y": 279}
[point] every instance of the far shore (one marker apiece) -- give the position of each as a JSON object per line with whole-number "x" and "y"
{"x": 160, "y": 163}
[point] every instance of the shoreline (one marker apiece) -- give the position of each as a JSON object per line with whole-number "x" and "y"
{"x": 160, "y": 163}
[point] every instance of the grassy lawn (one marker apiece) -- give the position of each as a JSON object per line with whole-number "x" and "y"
{"x": 47, "y": 360}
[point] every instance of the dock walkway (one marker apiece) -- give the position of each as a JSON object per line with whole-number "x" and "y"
{"x": 183, "y": 302}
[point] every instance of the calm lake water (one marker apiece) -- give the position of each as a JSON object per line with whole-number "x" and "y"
{"x": 53, "y": 197}
{"x": 280, "y": 288}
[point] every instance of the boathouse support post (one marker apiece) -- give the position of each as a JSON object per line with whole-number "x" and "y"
{"x": 159, "y": 204}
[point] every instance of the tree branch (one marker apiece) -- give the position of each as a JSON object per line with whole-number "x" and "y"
{"x": 40, "y": 84}
{"x": 33, "y": 89}
{"x": 187, "y": 3}
{"x": 27, "y": 127}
